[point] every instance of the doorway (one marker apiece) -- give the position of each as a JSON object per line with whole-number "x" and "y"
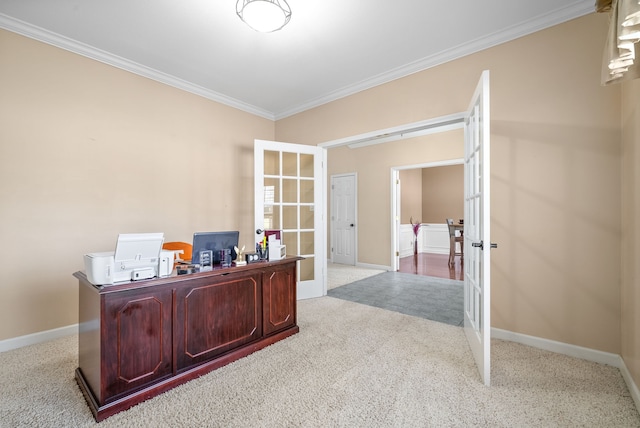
{"x": 428, "y": 194}
{"x": 475, "y": 122}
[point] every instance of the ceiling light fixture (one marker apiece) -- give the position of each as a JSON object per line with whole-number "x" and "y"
{"x": 265, "y": 16}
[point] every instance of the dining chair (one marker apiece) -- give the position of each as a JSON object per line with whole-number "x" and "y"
{"x": 453, "y": 239}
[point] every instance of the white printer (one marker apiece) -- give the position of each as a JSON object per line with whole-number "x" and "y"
{"x": 137, "y": 256}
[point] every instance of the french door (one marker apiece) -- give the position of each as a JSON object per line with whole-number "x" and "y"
{"x": 477, "y": 229}
{"x": 290, "y": 197}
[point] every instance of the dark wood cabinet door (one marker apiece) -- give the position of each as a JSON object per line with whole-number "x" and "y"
{"x": 137, "y": 349}
{"x": 279, "y": 299}
{"x": 216, "y": 315}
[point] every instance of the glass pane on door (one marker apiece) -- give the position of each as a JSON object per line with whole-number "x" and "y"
{"x": 290, "y": 239}
{"x": 271, "y": 162}
{"x": 271, "y": 190}
{"x": 306, "y": 191}
{"x": 307, "y": 269}
{"x": 307, "y": 219}
{"x": 290, "y": 164}
{"x": 290, "y": 190}
{"x": 306, "y": 166}
{"x": 290, "y": 217}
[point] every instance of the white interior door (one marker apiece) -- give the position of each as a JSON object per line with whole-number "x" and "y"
{"x": 343, "y": 219}
{"x": 290, "y": 196}
{"x": 477, "y": 236}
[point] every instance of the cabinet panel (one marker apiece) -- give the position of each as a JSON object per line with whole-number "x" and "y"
{"x": 138, "y": 346}
{"x": 215, "y": 317}
{"x": 279, "y": 297}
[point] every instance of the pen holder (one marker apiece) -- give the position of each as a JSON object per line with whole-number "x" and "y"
{"x": 263, "y": 253}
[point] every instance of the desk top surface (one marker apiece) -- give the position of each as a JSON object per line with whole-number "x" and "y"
{"x": 152, "y": 282}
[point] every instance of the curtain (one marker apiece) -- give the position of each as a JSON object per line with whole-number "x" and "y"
{"x": 603, "y": 5}
{"x": 621, "y": 61}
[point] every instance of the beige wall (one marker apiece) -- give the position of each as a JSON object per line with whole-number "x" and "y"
{"x": 631, "y": 235}
{"x": 556, "y": 158}
{"x": 431, "y": 195}
{"x": 373, "y": 165}
{"x": 410, "y": 195}
{"x": 88, "y": 151}
{"x": 443, "y": 193}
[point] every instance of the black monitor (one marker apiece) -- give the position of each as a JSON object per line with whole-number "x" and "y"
{"x": 214, "y": 241}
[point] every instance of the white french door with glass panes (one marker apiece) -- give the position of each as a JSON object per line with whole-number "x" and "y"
{"x": 290, "y": 197}
{"x": 477, "y": 229}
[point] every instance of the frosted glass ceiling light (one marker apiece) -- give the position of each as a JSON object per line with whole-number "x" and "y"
{"x": 264, "y": 15}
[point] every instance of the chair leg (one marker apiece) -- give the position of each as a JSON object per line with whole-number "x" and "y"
{"x": 452, "y": 251}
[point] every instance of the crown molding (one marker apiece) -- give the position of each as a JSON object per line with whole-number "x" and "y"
{"x": 62, "y": 42}
{"x": 579, "y": 8}
{"x": 576, "y": 10}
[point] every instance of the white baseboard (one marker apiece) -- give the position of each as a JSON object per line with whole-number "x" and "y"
{"x": 40, "y": 337}
{"x": 370, "y": 266}
{"x": 633, "y": 388}
{"x": 588, "y": 354}
{"x": 436, "y": 250}
{"x": 558, "y": 347}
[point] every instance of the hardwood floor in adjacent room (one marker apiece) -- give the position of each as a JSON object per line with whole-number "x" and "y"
{"x": 432, "y": 265}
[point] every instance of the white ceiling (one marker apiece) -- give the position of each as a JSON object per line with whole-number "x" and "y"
{"x": 329, "y": 49}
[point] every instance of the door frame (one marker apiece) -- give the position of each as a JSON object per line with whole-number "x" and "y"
{"x": 439, "y": 124}
{"x": 410, "y": 130}
{"x": 401, "y": 132}
{"x": 355, "y": 213}
{"x": 396, "y": 200}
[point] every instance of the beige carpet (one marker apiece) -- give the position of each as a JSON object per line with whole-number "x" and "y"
{"x": 351, "y": 365}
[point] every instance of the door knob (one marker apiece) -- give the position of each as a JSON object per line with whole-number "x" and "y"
{"x": 352, "y": 224}
{"x": 481, "y": 245}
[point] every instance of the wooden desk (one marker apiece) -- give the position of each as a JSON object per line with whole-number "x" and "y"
{"x": 139, "y": 339}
